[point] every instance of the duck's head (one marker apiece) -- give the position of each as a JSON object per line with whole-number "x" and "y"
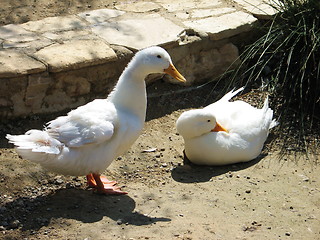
{"x": 195, "y": 123}
{"x": 156, "y": 60}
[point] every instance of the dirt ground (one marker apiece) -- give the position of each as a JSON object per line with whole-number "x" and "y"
{"x": 267, "y": 198}
{"x": 271, "y": 197}
{"x": 20, "y": 11}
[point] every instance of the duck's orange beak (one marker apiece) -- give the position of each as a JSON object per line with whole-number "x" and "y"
{"x": 172, "y": 71}
{"x": 219, "y": 128}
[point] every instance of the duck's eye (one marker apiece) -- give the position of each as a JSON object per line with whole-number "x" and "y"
{"x": 158, "y": 56}
{"x": 208, "y": 120}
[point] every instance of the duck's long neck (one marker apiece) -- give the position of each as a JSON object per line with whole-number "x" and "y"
{"x": 130, "y": 91}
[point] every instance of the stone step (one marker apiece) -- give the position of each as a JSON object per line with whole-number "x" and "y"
{"x": 59, "y": 63}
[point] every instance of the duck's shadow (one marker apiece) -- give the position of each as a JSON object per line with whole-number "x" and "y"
{"x": 191, "y": 173}
{"x": 78, "y": 204}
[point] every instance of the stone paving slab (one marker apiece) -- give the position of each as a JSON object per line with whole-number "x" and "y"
{"x": 137, "y": 33}
{"x": 16, "y": 33}
{"x": 100, "y": 15}
{"x": 262, "y": 10}
{"x": 13, "y": 63}
{"x": 76, "y": 54}
{"x": 67, "y": 35}
{"x": 224, "y": 26}
{"x": 182, "y": 5}
{"x": 139, "y": 7}
{"x": 204, "y": 13}
{"x": 54, "y": 24}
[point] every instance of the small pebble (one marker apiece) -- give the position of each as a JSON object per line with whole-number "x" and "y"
{"x": 287, "y": 234}
{"x": 229, "y": 174}
{"x": 58, "y": 181}
{"x": 14, "y": 224}
{"x": 119, "y": 221}
{"x": 248, "y": 191}
{"x": 306, "y": 179}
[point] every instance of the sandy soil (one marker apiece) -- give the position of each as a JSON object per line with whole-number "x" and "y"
{"x": 20, "y": 11}
{"x": 267, "y": 198}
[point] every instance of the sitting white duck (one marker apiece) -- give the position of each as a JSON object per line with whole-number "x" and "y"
{"x": 86, "y": 141}
{"x": 225, "y": 132}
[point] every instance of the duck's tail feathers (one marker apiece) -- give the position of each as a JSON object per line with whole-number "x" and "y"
{"x": 34, "y": 144}
{"x": 231, "y": 94}
{"x": 268, "y": 112}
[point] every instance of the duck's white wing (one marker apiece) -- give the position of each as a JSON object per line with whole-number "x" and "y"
{"x": 92, "y": 123}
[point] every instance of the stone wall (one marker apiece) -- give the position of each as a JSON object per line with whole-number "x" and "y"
{"x": 59, "y": 63}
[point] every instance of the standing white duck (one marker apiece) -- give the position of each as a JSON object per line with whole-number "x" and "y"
{"x": 86, "y": 141}
{"x": 225, "y": 132}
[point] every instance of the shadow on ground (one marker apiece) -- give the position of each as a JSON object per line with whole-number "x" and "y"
{"x": 81, "y": 205}
{"x": 191, "y": 173}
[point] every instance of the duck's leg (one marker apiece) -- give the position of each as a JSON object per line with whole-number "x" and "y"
{"x": 103, "y": 185}
{"x": 92, "y": 182}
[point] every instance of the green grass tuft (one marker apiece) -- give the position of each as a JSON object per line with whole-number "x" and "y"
{"x": 286, "y": 61}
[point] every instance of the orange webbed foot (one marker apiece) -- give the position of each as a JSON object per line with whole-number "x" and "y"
{"x": 102, "y": 185}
